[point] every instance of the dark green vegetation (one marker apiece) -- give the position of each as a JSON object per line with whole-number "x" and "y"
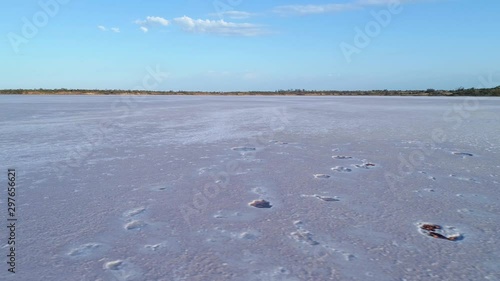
{"x": 292, "y": 92}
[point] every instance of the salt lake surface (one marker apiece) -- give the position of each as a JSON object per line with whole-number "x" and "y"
{"x": 158, "y": 188}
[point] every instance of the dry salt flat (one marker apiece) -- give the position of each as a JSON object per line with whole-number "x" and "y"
{"x": 252, "y": 188}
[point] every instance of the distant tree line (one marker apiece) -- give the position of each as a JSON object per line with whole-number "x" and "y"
{"x": 477, "y": 92}
{"x": 292, "y": 92}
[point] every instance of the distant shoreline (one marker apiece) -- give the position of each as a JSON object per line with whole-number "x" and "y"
{"x": 485, "y": 92}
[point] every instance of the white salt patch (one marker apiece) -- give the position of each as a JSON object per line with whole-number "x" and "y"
{"x": 134, "y": 212}
{"x": 135, "y": 224}
{"x": 84, "y": 250}
{"x": 113, "y": 265}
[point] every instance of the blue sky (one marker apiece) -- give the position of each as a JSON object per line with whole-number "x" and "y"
{"x": 224, "y": 45}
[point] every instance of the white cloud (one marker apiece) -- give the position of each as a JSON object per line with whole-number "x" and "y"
{"x": 333, "y": 7}
{"x": 149, "y": 22}
{"x": 380, "y": 2}
{"x": 219, "y": 27}
{"x": 238, "y": 15}
{"x": 313, "y": 9}
{"x": 112, "y": 29}
{"x": 250, "y": 75}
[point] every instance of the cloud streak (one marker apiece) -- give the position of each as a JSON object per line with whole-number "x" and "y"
{"x": 235, "y": 15}
{"x": 112, "y": 29}
{"x": 150, "y": 22}
{"x": 311, "y": 9}
{"x": 219, "y": 27}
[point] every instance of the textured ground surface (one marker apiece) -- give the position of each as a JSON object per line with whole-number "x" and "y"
{"x": 162, "y": 188}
